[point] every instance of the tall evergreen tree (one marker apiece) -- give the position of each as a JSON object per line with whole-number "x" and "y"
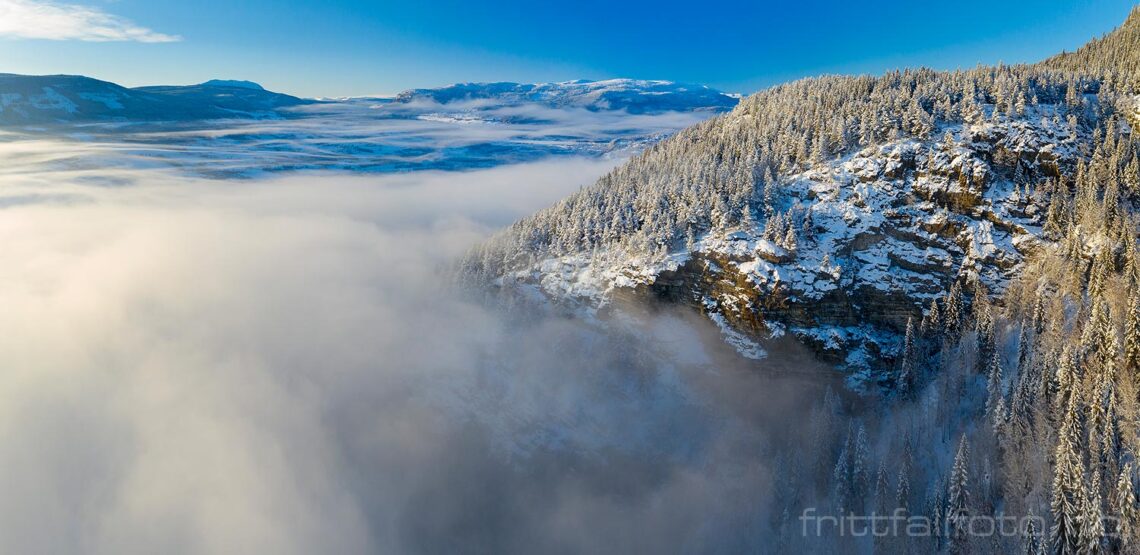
{"x": 1126, "y": 512}
{"x": 883, "y": 502}
{"x": 860, "y": 472}
{"x": 906, "y": 378}
{"x": 1066, "y": 385}
{"x": 955, "y": 309}
{"x": 1023, "y": 349}
{"x": 1031, "y": 543}
{"x": 1104, "y": 422}
{"x": 1068, "y": 500}
{"x": 1132, "y": 334}
{"x": 1098, "y": 332}
{"x": 1038, "y": 312}
{"x": 902, "y": 490}
{"x": 994, "y": 387}
{"x": 1098, "y": 275}
{"x": 841, "y": 478}
{"x": 958, "y": 500}
{"x": 1091, "y": 536}
{"x": 932, "y": 321}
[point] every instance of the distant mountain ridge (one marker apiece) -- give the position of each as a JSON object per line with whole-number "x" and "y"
{"x": 632, "y": 95}
{"x": 48, "y": 99}
{"x": 61, "y": 99}
{"x": 236, "y": 83}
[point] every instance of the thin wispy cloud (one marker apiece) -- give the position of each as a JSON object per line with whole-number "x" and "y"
{"x": 32, "y": 19}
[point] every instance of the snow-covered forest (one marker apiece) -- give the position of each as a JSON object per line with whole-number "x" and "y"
{"x": 1005, "y": 393}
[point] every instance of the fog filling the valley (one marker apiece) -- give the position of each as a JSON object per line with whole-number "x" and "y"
{"x": 279, "y": 366}
{"x": 359, "y": 134}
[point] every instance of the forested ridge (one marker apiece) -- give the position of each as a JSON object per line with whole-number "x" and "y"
{"x": 1013, "y": 397}
{"x": 728, "y": 169}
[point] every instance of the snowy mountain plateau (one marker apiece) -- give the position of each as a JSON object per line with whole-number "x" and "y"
{"x": 634, "y": 96}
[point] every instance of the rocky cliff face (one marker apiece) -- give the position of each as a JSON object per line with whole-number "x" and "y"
{"x": 880, "y": 233}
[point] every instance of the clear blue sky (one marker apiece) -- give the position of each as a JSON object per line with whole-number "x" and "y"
{"x": 356, "y": 47}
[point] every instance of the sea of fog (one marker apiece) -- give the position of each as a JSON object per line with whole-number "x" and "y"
{"x": 357, "y": 135}
{"x": 277, "y": 363}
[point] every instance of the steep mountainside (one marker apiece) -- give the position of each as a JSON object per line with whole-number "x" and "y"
{"x": 964, "y": 244}
{"x": 27, "y": 99}
{"x": 635, "y": 96}
{"x": 837, "y": 208}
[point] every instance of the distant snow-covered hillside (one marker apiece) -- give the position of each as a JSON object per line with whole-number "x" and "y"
{"x": 53, "y": 99}
{"x": 634, "y": 96}
{"x": 63, "y": 99}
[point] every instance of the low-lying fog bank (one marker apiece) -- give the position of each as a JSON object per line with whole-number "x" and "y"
{"x": 279, "y": 366}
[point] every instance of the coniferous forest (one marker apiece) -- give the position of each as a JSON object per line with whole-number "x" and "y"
{"x": 1014, "y": 399}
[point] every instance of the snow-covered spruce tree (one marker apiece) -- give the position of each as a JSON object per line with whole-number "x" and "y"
{"x": 907, "y": 361}
{"x": 958, "y": 500}
{"x": 932, "y": 320}
{"x": 1132, "y": 332}
{"x": 1068, "y": 492}
{"x": 1066, "y": 379}
{"x": 1105, "y": 438}
{"x": 1091, "y": 537}
{"x": 1024, "y": 348}
{"x": 1031, "y": 542}
{"x": 1124, "y": 504}
{"x": 860, "y": 471}
{"x": 884, "y": 501}
{"x": 955, "y": 310}
{"x": 995, "y": 389}
{"x": 841, "y": 483}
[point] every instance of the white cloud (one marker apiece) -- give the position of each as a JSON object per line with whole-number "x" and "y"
{"x": 34, "y": 19}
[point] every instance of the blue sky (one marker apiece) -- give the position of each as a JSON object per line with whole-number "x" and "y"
{"x": 335, "y": 48}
